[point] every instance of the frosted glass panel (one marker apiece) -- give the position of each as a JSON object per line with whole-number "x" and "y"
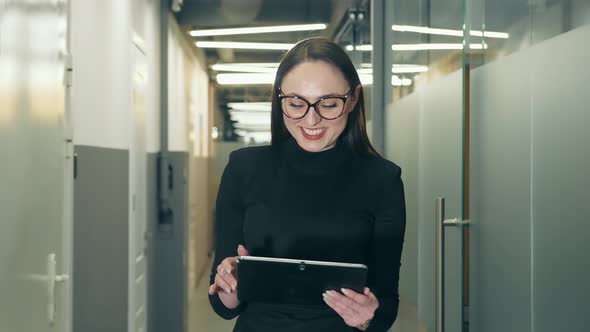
{"x": 401, "y": 146}
{"x": 32, "y": 176}
{"x": 500, "y": 266}
{"x": 561, "y": 183}
{"x": 440, "y": 174}
{"x": 525, "y": 22}
{"x": 530, "y": 187}
{"x": 424, "y": 136}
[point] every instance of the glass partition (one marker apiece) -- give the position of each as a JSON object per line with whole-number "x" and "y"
{"x": 424, "y": 135}
{"x": 527, "y": 104}
{"x": 488, "y": 112}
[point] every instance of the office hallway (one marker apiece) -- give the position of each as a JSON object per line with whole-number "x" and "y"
{"x": 118, "y": 118}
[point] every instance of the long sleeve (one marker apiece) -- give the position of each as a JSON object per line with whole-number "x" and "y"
{"x": 229, "y": 216}
{"x": 386, "y": 249}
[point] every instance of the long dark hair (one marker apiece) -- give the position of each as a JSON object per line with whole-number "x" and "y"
{"x": 314, "y": 49}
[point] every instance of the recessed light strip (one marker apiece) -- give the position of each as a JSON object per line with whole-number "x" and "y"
{"x": 250, "y": 106}
{"x": 420, "y": 47}
{"x": 436, "y": 46}
{"x": 236, "y": 79}
{"x": 397, "y": 69}
{"x": 244, "y": 68}
{"x": 249, "y": 119}
{"x": 448, "y": 32}
{"x": 408, "y": 68}
{"x": 251, "y": 79}
{"x": 245, "y": 46}
{"x": 253, "y": 64}
{"x": 256, "y": 30}
{"x": 426, "y": 30}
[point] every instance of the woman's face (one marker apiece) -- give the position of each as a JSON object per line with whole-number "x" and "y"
{"x": 312, "y": 81}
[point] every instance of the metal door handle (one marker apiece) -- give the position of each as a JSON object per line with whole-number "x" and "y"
{"x": 439, "y": 269}
{"x": 50, "y": 279}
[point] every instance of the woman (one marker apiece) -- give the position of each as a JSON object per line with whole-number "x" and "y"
{"x": 319, "y": 192}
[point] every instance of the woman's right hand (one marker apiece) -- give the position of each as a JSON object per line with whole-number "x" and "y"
{"x": 226, "y": 281}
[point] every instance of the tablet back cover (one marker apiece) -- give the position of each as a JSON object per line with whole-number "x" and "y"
{"x": 294, "y": 283}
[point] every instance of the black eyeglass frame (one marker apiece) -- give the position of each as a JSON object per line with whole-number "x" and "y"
{"x": 310, "y": 105}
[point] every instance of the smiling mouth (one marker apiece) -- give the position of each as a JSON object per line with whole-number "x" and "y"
{"x": 313, "y": 133}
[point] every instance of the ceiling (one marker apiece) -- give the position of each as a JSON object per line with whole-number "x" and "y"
{"x": 218, "y": 14}
{"x": 214, "y": 14}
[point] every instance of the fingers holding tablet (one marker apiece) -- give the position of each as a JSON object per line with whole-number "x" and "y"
{"x": 226, "y": 278}
{"x": 356, "y": 309}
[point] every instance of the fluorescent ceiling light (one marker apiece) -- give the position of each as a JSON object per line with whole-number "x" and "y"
{"x": 408, "y": 68}
{"x": 396, "y": 81}
{"x": 490, "y": 34}
{"x": 245, "y": 46}
{"x": 421, "y": 47}
{"x": 252, "y": 119}
{"x": 448, "y": 32}
{"x": 235, "y": 79}
{"x": 260, "y": 107}
{"x": 244, "y": 68}
{"x": 367, "y": 79}
{"x": 242, "y": 79}
{"x": 252, "y": 64}
{"x": 250, "y": 115}
{"x": 359, "y": 48}
{"x": 396, "y": 69}
{"x": 427, "y": 30}
{"x": 252, "y": 127}
{"x": 436, "y": 46}
{"x": 478, "y": 46}
{"x": 255, "y": 30}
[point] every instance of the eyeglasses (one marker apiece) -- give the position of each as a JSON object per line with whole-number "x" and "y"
{"x": 329, "y": 107}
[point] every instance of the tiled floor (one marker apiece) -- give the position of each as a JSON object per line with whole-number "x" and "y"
{"x": 201, "y": 316}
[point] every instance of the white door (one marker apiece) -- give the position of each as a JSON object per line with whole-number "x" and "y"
{"x": 137, "y": 177}
{"x": 35, "y": 169}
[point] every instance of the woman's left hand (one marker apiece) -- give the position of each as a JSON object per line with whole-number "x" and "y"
{"x": 355, "y": 308}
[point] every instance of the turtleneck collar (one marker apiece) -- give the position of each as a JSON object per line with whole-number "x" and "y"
{"x": 316, "y": 162}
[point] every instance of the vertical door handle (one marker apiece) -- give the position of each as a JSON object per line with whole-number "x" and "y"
{"x": 52, "y": 279}
{"x": 439, "y": 269}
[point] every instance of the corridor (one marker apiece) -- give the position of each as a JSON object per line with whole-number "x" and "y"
{"x": 443, "y": 144}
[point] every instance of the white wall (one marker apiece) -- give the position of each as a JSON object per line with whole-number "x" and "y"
{"x": 153, "y": 46}
{"x": 101, "y": 39}
{"x": 107, "y": 116}
{"x": 199, "y": 111}
{"x": 178, "y": 62}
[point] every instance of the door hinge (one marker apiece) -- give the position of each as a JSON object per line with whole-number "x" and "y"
{"x": 75, "y": 166}
{"x": 68, "y": 71}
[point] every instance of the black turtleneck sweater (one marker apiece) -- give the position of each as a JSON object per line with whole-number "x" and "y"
{"x": 330, "y": 206}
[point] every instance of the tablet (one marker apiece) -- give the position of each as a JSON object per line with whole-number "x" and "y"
{"x": 292, "y": 281}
